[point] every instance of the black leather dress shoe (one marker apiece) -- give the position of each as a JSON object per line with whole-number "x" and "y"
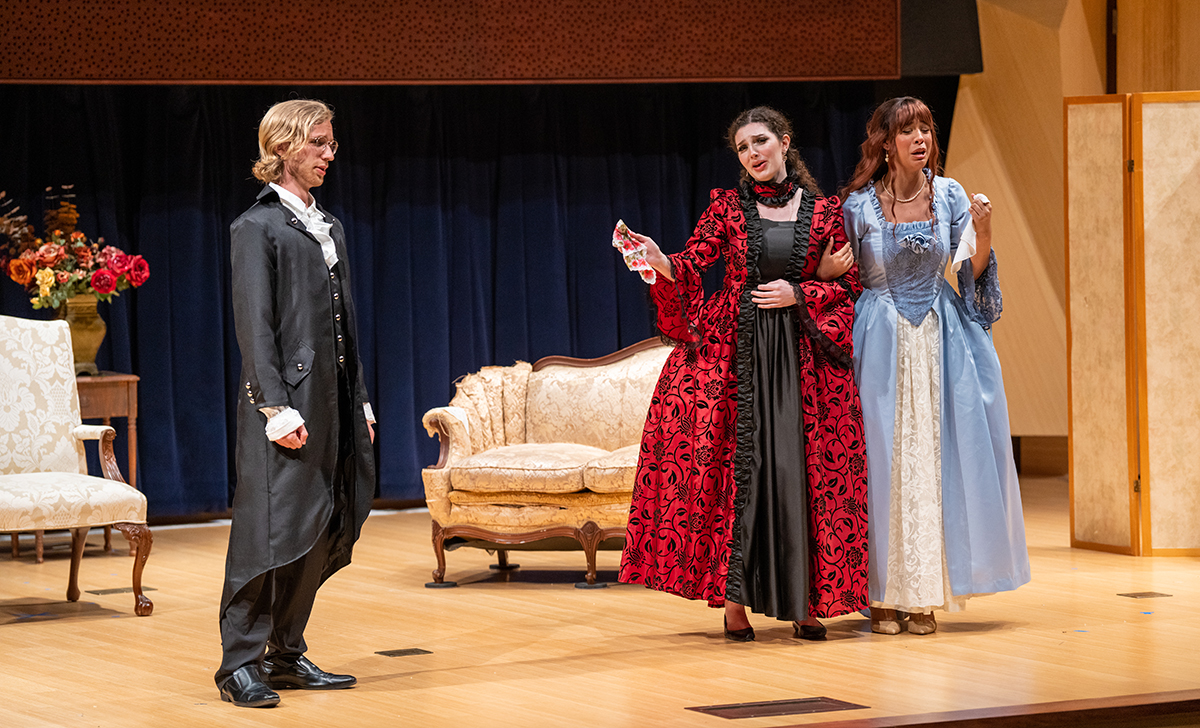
{"x": 245, "y": 688}
{"x": 298, "y": 673}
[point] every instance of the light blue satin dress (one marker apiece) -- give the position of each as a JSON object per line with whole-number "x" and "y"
{"x": 944, "y": 503}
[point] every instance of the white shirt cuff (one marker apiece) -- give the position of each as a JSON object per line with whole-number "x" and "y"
{"x": 369, "y": 412}
{"x": 283, "y": 422}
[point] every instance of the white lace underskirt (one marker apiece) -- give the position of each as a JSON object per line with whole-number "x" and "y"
{"x": 917, "y": 576}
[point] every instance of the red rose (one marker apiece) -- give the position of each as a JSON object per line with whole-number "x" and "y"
{"x": 139, "y": 271}
{"x": 104, "y": 281}
{"x": 119, "y": 263}
{"x": 21, "y": 271}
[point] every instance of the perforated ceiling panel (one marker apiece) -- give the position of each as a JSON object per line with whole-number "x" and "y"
{"x": 422, "y": 41}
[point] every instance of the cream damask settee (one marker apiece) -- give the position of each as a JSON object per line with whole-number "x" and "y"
{"x": 44, "y": 483}
{"x": 542, "y": 455}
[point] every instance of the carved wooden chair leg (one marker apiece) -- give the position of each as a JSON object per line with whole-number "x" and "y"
{"x": 78, "y": 539}
{"x": 439, "y": 539}
{"x": 140, "y": 539}
{"x": 16, "y": 546}
{"x": 108, "y": 539}
{"x": 589, "y": 537}
{"x": 39, "y": 545}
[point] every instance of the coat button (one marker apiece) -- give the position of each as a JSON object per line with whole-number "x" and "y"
{"x": 300, "y": 367}
{"x": 337, "y": 317}
{"x": 294, "y": 221}
{"x": 339, "y": 337}
{"x": 335, "y": 296}
{"x": 341, "y": 359}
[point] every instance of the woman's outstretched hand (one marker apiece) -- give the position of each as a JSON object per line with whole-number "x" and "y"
{"x": 654, "y": 256}
{"x": 776, "y": 294}
{"x": 834, "y": 263}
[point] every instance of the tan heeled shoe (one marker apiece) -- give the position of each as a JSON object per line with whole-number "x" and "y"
{"x": 885, "y": 621}
{"x": 919, "y": 623}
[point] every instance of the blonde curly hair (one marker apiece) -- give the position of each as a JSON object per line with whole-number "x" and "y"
{"x": 284, "y": 128}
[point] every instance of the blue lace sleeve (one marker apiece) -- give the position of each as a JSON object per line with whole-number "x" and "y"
{"x": 982, "y": 296}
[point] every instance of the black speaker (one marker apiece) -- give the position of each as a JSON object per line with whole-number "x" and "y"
{"x": 939, "y": 38}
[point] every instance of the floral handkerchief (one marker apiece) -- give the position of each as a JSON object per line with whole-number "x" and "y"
{"x": 633, "y": 252}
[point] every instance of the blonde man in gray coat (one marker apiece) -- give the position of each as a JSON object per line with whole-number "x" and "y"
{"x": 305, "y": 464}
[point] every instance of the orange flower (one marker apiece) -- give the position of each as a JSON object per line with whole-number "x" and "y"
{"x": 21, "y": 271}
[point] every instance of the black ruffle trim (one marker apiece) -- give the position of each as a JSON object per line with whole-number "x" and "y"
{"x": 845, "y": 284}
{"x": 742, "y": 458}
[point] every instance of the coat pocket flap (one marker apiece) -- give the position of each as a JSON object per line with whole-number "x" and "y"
{"x": 298, "y": 364}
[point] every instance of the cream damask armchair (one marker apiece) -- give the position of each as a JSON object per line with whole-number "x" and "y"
{"x": 540, "y": 456}
{"x": 44, "y": 483}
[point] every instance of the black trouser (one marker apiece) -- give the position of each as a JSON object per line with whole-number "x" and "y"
{"x": 270, "y": 612}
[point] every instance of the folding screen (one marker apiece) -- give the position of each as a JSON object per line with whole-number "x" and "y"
{"x": 1133, "y": 219}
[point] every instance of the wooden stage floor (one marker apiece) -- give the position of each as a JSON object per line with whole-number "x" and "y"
{"x": 535, "y": 651}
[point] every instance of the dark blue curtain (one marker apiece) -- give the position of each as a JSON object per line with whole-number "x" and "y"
{"x": 478, "y": 220}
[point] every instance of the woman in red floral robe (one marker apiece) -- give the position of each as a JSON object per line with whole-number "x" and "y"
{"x": 751, "y": 483}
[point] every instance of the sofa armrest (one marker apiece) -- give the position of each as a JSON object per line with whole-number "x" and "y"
{"x": 450, "y": 426}
{"x": 106, "y": 435}
{"x": 452, "y": 429}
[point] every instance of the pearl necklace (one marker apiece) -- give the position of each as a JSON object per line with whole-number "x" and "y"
{"x": 897, "y": 199}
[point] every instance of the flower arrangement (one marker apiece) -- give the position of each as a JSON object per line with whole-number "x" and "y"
{"x": 65, "y": 263}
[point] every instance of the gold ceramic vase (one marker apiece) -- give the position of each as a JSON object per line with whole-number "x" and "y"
{"x": 87, "y": 330}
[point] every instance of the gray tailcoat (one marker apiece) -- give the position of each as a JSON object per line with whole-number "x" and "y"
{"x": 283, "y": 313}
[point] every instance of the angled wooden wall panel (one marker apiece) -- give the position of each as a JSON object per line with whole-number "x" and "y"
{"x": 435, "y": 42}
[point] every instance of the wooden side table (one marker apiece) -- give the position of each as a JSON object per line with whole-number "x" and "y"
{"x": 108, "y": 395}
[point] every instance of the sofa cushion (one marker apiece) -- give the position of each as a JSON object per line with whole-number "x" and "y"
{"x": 613, "y": 472}
{"x": 538, "y": 468}
{"x": 522, "y": 498}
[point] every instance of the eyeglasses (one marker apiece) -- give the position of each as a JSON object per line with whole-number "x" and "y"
{"x": 322, "y": 143}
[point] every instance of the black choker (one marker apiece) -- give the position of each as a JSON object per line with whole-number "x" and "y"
{"x": 773, "y": 194}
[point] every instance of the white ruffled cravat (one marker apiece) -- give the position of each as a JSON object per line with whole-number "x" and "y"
{"x": 313, "y": 221}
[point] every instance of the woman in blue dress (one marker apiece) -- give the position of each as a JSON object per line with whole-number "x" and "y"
{"x": 945, "y": 508}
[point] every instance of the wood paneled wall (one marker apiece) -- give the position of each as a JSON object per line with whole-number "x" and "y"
{"x": 1007, "y": 142}
{"x": 1158, "y": 45}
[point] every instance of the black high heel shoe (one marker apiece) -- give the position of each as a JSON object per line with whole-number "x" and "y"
{"x": 738, "y": 635}
{"x": 809, "y": 632}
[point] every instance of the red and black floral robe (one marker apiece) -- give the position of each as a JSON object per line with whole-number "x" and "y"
{"x": 685, "y": 530}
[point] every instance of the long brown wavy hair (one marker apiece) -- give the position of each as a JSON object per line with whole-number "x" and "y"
{"x": 779, "y": 125}
{"x": 889, "y": 119}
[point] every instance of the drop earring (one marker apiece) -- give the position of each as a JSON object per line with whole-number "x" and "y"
{"x": 885, "y": 156}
